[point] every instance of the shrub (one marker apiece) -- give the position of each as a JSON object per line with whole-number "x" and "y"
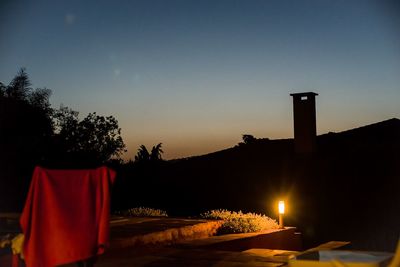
{"x": 239, "y": 222}
{"x": 143, "y": 212}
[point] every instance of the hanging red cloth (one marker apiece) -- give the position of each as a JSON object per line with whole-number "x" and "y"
{"x": 66, "y": 215}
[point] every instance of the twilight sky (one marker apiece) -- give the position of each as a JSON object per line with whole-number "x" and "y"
{"x": 196, "y": 75}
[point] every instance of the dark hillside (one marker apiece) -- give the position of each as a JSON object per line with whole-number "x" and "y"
{"x": 359, "y": 172}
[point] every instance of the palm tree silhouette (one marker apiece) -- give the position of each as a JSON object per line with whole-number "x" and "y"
{"x": 142, "y": 154}
{"x": 156, "y": 152}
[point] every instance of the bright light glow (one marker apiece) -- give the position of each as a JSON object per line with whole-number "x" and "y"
{"x": 281, "y": 207}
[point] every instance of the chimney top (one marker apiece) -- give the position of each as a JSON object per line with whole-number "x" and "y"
{"x": 304, "y": 94}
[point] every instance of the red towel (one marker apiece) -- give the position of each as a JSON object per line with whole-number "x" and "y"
{"x": 66, "y": 215}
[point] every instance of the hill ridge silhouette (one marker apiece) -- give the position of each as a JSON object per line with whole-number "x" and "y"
{"x": 385, "y": 125}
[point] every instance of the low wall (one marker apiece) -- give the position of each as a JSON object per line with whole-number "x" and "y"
{"x": 282, "y": 239}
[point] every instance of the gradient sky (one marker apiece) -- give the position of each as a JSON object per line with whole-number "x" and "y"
{"x": 196, "y": 75}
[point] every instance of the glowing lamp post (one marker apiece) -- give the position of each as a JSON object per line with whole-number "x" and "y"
{"x": 281, "y": 209}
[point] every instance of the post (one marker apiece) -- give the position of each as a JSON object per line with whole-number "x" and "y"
{"x": 281, "y": 221}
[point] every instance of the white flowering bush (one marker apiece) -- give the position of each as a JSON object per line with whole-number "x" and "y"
{"x": 143, "y": 212}
{"x": 239, "y": 222}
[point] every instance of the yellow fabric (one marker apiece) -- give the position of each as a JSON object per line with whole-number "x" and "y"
{"x": 396, "y": 258}
{"x": 5, "y": 241}
{"x": 16, "y": 245}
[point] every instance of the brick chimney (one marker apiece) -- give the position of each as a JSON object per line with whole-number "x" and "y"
{"x": 304, "y": 117}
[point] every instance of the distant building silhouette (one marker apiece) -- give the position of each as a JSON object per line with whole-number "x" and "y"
{"x": 304, "y": 116}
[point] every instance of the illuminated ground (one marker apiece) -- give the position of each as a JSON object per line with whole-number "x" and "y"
{"x": 189, "y": 242}
{"x": 178, "y": 242}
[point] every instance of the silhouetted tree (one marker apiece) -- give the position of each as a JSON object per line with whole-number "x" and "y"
{"x": 248, "y": 139}
{"x": 25, "y": 134}
{"x": 2, "y": 89}
{"x": 95, "y": 138}
{"x": 25, "y": 114}
{"x": 66, "y": 121}
{"x": 156, "y": 153}
{"x": 39, "y": 98}
{"x": 19, "y": 89}
{"x": 32, "y": 133}
{"x": 20, "y": 86}
{"x": 142, "y": 155}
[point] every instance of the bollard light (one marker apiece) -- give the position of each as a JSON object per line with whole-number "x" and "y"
{"x": 281, "y": 209}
